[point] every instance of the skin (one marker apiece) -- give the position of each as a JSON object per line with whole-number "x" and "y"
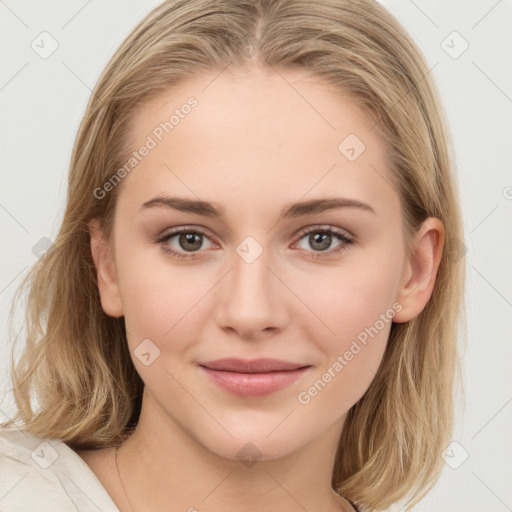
{"x": 252, "y": 145}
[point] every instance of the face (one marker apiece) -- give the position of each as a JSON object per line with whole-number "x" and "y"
{"x": 315, "y": 284}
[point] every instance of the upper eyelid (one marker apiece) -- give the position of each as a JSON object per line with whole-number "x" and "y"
{"x": 185, "y": 229}
{"x": 325, "y": 227}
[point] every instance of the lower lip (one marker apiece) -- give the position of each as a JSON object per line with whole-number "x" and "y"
{"x": 254, "y": 384}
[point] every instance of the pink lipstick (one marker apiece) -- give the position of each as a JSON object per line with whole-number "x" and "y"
{"x": 253, "y": 378}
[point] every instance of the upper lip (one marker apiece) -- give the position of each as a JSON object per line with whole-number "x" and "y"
{"x": 252, "y": 366}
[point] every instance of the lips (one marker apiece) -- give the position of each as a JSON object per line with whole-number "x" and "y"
{"x": 252, "y": 366}
{"x": 253, "y": 378}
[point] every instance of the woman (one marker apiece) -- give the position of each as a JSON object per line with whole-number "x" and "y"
{"x": 252, "y": 302}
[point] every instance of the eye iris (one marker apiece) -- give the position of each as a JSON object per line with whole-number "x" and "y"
{"x": 195, "y": 239}
{"x": 324, "y": 239}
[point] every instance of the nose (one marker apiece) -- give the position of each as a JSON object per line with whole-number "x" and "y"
{"x": 253, "y": 299}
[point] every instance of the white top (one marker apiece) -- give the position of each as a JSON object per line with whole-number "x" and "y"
{"x": 46, "y": 475}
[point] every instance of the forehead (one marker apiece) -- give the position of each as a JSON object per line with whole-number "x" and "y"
{"x": 257, "y": 137}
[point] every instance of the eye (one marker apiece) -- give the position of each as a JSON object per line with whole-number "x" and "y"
{"x": 320, "y": 240}
{"x": 184, "y": 240}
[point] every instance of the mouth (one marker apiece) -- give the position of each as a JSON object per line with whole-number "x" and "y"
{"x": 253, "y": 378}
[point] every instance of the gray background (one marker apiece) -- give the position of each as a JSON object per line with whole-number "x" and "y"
{"x": 42, "y": 101}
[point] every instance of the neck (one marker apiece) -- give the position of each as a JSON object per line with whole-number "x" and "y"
{"x": 163, "y": 466}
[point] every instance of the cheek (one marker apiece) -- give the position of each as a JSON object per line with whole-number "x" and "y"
{"x": 352, "y": 297}
{"x": 361, "y": 322}
{"x": 151, "y": 298}
{"x": 163, "y": 302}
{"x": 354, "y": 307}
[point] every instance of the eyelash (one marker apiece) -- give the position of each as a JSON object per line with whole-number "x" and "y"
{"x": 306, "y": 231}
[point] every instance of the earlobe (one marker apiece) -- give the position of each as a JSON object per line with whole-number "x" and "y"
{"x": 421, "y": 270}
{"x": 105, "y": 270}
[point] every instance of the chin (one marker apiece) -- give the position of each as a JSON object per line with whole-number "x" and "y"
{"x": 250, "y": 446}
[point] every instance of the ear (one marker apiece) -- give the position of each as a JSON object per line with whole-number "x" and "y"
{"x": 420, "y": 270}
{"x": 106, "y": 272}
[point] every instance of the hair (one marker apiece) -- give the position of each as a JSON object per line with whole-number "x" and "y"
{"x": 76, "y": 361}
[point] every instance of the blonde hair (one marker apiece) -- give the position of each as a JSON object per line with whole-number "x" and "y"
{"x": 76, "y": 359}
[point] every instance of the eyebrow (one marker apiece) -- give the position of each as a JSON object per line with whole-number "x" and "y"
{"x": 291, "y": 210}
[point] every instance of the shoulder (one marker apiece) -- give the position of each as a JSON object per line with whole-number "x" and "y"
{"x": 47, "y": 475}
{"x": 18, "y": 451}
